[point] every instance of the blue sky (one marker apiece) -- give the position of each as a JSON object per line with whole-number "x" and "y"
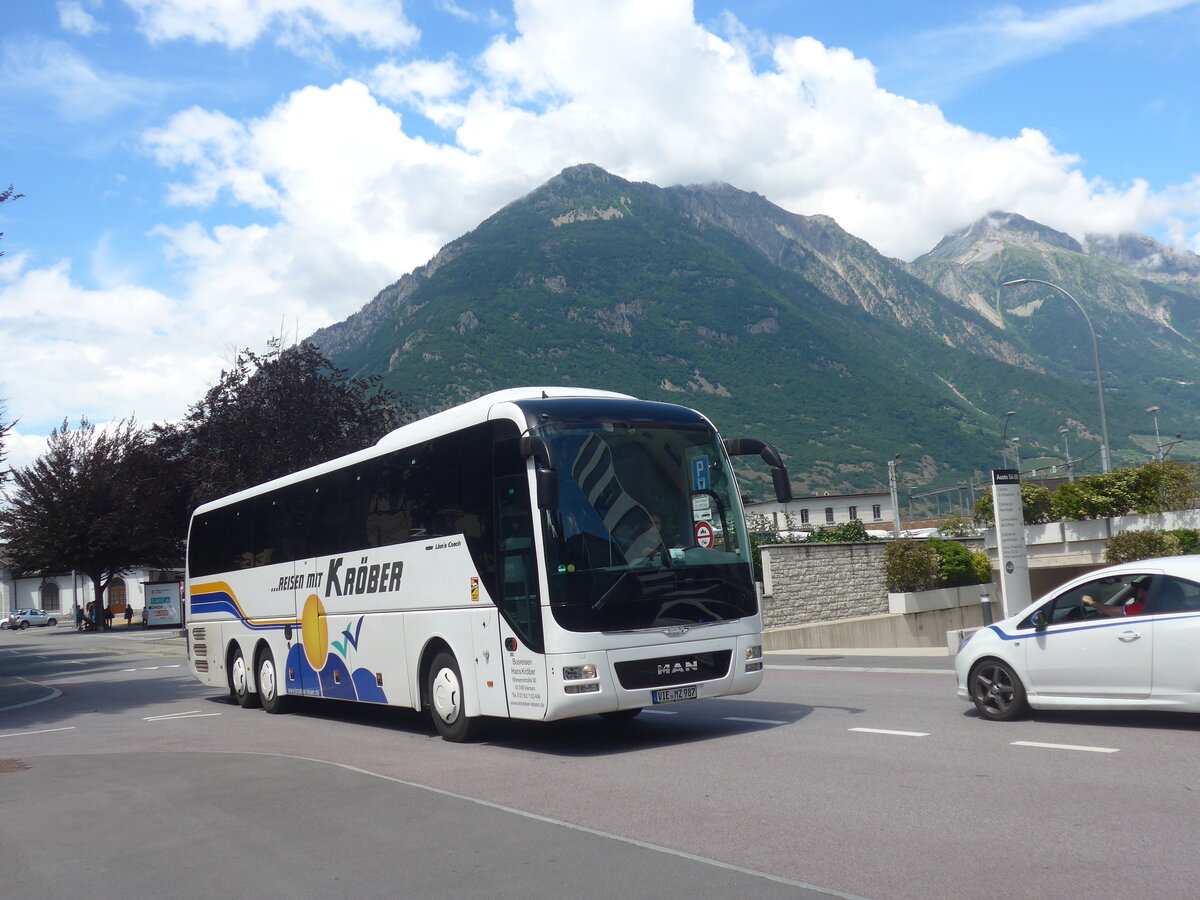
{"x": 203, "y": 174}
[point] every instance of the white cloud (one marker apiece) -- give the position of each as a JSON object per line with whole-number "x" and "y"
{"x": 939, "y": 62}
{"x": 643, "y": 90}
{"x": 239, "y": 23}
{"x": 80, "y": 91}
{"x": 74, "y": 18}
{"x": 70, "y": 351}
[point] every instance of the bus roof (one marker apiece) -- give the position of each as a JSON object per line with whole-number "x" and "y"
{"x": 439, "y": 423}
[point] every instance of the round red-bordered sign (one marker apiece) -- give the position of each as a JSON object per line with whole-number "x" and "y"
{"x": 704, "y": 535}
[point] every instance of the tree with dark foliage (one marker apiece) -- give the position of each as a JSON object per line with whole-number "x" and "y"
{"x": 271, "y": 414}
{"x": 82, "y": 506}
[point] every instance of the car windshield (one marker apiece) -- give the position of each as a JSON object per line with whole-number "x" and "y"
{"x": 648, "y": 532}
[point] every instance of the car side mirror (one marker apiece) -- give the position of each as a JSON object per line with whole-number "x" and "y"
{"x": 1039, "y": 620}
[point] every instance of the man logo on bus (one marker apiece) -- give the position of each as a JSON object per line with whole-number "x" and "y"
{"x": 678, "y": 668}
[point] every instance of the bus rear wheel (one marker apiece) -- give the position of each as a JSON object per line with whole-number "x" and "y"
{"x": 273, "y": 699}
{"x": 239, "y": 681}
{"x": 447, "y": 704}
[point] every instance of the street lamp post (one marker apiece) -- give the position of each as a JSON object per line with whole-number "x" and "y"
{"x": 1105, "y": 454}
{"x": 1064, "y": 431}
{"x": 1153, "y": 410}
{"x": 1016, "y": 442}
{"x": 895, "y": 499}
{"x": 1004, "y": 437}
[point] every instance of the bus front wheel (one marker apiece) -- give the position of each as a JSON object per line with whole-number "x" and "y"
{"x": 447, "y": 704}
{"x": 239, "y": 681}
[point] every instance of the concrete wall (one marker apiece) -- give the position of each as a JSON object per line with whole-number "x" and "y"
{"x": 805, "y": 583}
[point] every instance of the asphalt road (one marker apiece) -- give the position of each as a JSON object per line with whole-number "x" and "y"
{"x": 849, "y": 776}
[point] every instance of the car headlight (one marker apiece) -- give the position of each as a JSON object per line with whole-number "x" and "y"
{"x": 576, "y": 673}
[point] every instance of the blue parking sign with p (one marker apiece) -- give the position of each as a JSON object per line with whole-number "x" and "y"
{"x": 700, "y": 474}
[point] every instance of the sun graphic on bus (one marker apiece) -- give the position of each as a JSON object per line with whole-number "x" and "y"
{"x": 314, "y": 632}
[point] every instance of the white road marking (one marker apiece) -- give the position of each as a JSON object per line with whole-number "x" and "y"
{"x": 755, "y": 721}
{"x": 46, "y": 731}
{"x": 1065, "y": 747}
{"x": 661, "y": 712}
{"x": 190, "y": 714}
{"x": 889, "y": 731}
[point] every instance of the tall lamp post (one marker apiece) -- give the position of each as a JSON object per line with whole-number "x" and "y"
{"x": 1004, "y": 437}
{"x": 895, "y": 499}
{"x": 1153, "y": 410}
{"x": 1064, "y": 431}
{"x": 1105, "y": 454}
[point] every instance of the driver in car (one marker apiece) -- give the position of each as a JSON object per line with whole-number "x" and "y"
{"x": 1133, "y": 607}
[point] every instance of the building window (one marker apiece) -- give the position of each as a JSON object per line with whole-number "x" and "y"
{"x": 854, "y": 514}
{"x": 49, "y": 597}
{"x": 877, "y": 512}
{"x": 116, "y": 596}
{"x": 829, "y": 515}
{"x": 804, "y": 517}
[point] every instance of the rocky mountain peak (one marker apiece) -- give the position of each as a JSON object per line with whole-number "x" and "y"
{"x": 990, "y": 233}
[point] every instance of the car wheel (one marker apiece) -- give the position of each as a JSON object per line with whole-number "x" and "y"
{"x": 52, "y": 623}
{"x": 447, "y": 704}
{"x": 239, "y": 682}
{"x": 24, "y": 625}
{"x": 997, "y": 691}
{"x": 621, "y": 715}
{"x": 273, "y": 701}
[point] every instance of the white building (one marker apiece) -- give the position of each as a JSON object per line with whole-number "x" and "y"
{"x": 824, "y": 510}
{"x": 61, "y": 593}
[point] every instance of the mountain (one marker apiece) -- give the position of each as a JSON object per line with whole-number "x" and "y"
{"x": 774, "y": 324}
{"x": 1142, "y": 298}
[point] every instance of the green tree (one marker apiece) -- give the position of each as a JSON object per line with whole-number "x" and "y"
{"x": 1037, "y": 506}
{"x": 271, "y": 414}
{"x": 5, "y": 429}
{"x": 79, "y": 507}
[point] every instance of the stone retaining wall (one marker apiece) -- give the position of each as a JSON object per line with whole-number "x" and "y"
{"x": 805, "y": 583}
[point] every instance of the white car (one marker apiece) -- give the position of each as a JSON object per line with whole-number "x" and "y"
{"x": 1131, "y": 644}
{"x": 23, "y": 618}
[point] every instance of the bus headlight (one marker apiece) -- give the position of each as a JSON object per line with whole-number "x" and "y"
{"x": 576, "y": 673}
{"x": 754, "y": 662}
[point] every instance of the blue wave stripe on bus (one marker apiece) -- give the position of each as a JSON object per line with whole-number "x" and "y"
{"x": 222, "y": 602}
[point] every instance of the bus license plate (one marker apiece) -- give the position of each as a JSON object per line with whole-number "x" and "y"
{"x": 675, "y": 694}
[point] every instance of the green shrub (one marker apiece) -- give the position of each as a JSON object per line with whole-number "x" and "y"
{"x": 960, "y": 526}
{"x": 847, "y": 533}
{"x": 910, "y": 566}
{"x": 1132, "y": 545}
{"x": 954, "y": 563}
{"x": 1188, "y": 539}
{"x": 982, "y": 566}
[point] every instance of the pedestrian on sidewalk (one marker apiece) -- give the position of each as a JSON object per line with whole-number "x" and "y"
{"x": 128, "y": 615}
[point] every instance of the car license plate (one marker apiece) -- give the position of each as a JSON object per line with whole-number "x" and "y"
{"x": 675, "y": 694}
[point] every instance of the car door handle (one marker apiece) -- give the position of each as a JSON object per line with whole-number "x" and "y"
{"x": 1128, "y": 636}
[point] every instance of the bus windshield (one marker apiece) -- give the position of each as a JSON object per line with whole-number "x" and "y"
{"x": 647, "y": 532}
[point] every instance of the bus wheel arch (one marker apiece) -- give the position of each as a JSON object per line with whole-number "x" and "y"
{"x": 240, "y": 677}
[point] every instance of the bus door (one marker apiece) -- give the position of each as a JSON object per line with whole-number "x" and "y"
{"x": 519, "y": 600}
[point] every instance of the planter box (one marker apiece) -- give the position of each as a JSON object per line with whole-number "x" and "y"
{"x": 941, "y": 598}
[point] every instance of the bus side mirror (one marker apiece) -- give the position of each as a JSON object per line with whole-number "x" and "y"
{"x": 755, "y": 447}
{"x": 545, "y": 478}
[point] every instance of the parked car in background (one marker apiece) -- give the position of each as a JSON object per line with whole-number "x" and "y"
{"x": 7, "y": 621}
{"x": 23, "y": 618}
{"x": 1123, "y": 637}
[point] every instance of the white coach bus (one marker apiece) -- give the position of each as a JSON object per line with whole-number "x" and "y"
{"x": 537, "y": 553}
